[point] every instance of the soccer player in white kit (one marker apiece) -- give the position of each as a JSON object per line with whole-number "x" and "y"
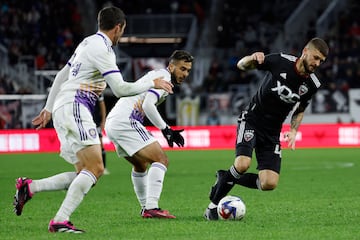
{"x": 124, "y": 126}
{"x": 71, "y": 101}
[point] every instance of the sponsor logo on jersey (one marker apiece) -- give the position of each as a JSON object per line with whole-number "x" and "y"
{"x": 285, "y": 93}
{"x": 248, "y": 135}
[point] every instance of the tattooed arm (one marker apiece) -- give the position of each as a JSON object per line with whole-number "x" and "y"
{"x": 296, "y": 119}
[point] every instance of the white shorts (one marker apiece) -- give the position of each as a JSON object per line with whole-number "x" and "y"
{"x": 128, "y": 136}
{"x": 75, "y": 128}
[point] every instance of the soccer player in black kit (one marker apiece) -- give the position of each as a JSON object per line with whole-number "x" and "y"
{"x": 289, "y": 84}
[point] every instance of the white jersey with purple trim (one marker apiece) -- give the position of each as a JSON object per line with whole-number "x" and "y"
{"x": 92, "y": 60}
{"x": 130, "y": 108}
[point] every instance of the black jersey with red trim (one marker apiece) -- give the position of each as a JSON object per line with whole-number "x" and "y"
{"x": 282, "y": 88}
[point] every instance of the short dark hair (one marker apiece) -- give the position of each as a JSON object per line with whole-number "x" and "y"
{"x": 109, "y": 17}
{"x": 179, "y": 55}
{"x": 320, "y": 45}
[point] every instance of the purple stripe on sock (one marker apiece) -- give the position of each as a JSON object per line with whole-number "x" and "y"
{"x": 138, "y": 174}
{"x": 90, "y": 174}
{"x": 159, "y": 165}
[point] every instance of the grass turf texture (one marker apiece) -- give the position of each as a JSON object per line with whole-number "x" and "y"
{"x": 318, "y": 197}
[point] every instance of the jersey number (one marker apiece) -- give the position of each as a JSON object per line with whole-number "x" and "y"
{"x": 277, "y": 150}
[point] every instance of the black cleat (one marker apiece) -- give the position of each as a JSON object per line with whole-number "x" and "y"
{"x": 211, "y": 214}
{"x": 222, "y": 186}
{"x": 22, "y": 194}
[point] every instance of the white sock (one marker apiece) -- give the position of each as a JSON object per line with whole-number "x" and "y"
{"x": 212, "y": 205}
{"x": 258, "y": 184}
{"x": 156, "y": 176}
{"x": 74, "y": 196}
{"x": 60, "y": 181}
{"x": 139, "y": 181}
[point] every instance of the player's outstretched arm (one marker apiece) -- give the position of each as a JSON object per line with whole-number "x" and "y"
{"x": 121, "y": 88}
{"x": 160, "y": 83}
{"x": 251, "y": 61}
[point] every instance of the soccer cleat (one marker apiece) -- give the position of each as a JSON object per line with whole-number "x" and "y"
{"x": 222, "y": 186}
{"x": 22, "y": 194}
{"x": 211, "y": 214}
{"x": 65, "y": 227}
{"x": 142, "y": 211}
{"x": 156, "y": 213}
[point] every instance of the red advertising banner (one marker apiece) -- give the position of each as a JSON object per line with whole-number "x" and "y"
{"x": 200, "y": 137}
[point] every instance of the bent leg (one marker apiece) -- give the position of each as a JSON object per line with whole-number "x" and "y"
{"x": 59, "y": 181}
{"x": 268, "y": 179}
{"x": 152, "y": 154}
{"x": 225, "y": 180}
{"x": 91, "y": 160}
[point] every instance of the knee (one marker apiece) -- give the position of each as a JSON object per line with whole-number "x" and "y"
{"x": 99, "y": 169}
{"x": 242, "y": 163}
{"x": 140, "y": 167}
{"x": 164, "y": 160}
{"x": 268, "y": 185}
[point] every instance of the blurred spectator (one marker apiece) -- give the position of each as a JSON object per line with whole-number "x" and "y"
{"x": 27, "y": 28}
{"x": 213, "y": 118}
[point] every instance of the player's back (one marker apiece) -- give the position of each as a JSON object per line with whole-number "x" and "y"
{"x": 86, "y": 82}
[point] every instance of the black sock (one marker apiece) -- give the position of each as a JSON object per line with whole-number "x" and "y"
{"x": 222, "y": 187}
{"x": 103, "y": 153}
{"x": 248, "y": 180}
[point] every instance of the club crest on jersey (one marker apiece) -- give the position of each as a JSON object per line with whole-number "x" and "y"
{"x": 248, "y": 135}
{"x": 303, "y": 89}
{"x": 92, "y": 132}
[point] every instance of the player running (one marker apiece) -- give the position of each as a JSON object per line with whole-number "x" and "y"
{"x": 290, "y": 84}
{"x": 124, "y": 126}
{"x": 71, "y": 102}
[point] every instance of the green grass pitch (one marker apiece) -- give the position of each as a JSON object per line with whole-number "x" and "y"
{"x": 318, "y": 197}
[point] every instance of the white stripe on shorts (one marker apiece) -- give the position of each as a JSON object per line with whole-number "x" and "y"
{"x": 240, "y": 134}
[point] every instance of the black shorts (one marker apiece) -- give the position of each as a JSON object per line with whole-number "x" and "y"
{"x": 99, "y": 130}
{"x": 267, "y": 146}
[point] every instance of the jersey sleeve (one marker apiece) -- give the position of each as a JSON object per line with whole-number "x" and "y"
{"x": 153, "y": 98}
{"x": 150, "y": 108}
{"x": 60, "y": 78}
{"x": 105, "y": 62}
{"x": 269, "y": 61}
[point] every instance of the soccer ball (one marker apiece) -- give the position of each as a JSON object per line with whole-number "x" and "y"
{"x": 231, "y": 208}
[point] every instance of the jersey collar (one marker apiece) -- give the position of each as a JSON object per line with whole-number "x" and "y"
{"x": 105, "y": 37}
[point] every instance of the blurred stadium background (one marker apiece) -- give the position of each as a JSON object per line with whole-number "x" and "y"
{"x": 38, "y": 37}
